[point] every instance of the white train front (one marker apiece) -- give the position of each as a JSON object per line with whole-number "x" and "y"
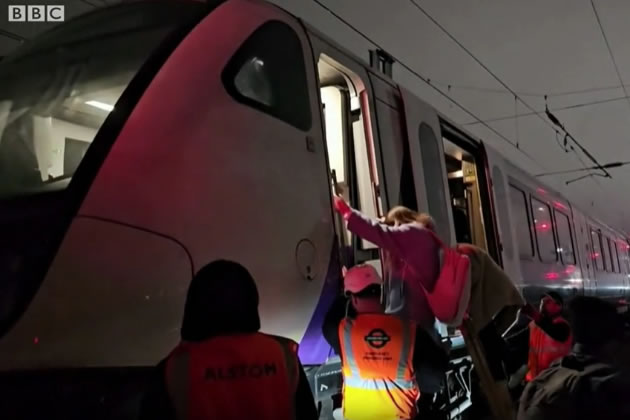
{"x": 141, "y": 141}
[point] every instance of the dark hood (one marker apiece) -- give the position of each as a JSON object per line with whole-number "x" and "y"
{"x": 222, "y": 299}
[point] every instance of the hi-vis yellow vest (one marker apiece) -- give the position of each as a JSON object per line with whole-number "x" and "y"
{"x": 379, "y": 382}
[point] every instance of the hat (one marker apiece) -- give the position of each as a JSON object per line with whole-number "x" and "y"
{"x": 555, "y": 296}
{"x": 360, "y": 277}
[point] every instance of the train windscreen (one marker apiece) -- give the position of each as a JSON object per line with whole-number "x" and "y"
{"x": 56, "y": 92}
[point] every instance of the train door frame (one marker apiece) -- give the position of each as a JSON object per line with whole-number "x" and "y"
{"x": 485, "y": 185}
{"x": 326, "y": 380}
{"x": 358, "y": 80}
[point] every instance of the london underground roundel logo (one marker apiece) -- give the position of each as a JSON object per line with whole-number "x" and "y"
{"x": 377, "y": 338}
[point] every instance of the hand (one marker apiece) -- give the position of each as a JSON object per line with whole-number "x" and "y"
{"x": 531, "y": 312}
{"x": 341, "y": 206}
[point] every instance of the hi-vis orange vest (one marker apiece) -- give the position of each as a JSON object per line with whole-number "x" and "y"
{"x": 237, "y": 377}
{"x": 379, "y": 382}
{"x": 543, "y": 349}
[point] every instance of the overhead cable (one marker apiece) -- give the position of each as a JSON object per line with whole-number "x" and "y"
{"x": 562, "y": 108}
{"x": 505, "y": 85}
{"x": 428, "y": 82}
{"x": 610, "y": 53}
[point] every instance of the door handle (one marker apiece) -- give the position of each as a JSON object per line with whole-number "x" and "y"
{"x": 310, "y": 144}
{"x": 306, "y": 259}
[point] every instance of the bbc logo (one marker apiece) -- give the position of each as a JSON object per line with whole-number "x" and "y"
{"x": 37, "y": 13}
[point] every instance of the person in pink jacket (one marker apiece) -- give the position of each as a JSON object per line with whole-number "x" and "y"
{"x": 411, "y": 258}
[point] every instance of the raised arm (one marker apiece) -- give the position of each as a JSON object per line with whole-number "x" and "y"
{"x": 390, "y": 238}
{"x": 410, "y": 242}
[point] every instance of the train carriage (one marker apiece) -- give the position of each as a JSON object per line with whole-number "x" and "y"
{"x": 140, "y": 141}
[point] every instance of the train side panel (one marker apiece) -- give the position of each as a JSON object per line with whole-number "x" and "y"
{"x": 113, "y": 297}
{"x": 553, "y": 243}
{"x": 499, "y": 169}
{"x": 225, "y": 156}
{"x": 609, "y": 277}
{"x": 584, "y": 252}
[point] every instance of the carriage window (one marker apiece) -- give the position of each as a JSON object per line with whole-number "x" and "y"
{"x": 597, "y": 251}
{"x": 615, "y": 253}
{"x": 268, "y": 73}
{"x": 565, "y": 240}
{"x": 611, "y": 256}
{"x": 606, "y": 254}
{"x": 521, "y": 223}
{"x": 543, "y": 226}
{"x": 614, "y": 267}
{"x": 624, "y": 255}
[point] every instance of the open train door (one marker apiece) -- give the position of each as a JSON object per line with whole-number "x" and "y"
{"x": 429, "y": 173}
{"x": 427, "y": 161}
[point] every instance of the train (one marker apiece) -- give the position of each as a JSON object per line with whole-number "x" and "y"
{"x": 140, "y": 141}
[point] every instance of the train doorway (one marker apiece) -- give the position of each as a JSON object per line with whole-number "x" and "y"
{"x": 469, "y": 193}
{"x": 351, "y": 158}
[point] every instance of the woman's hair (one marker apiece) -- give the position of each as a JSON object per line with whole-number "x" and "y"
{"x": 427, "y": 221}
{"x": 402, "y": 215}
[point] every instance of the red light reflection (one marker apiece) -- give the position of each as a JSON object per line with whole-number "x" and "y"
{"x": 559, "y": 205}
{"x": 543, "y": 226}
{"x": 570, "y": 269}
{"x": 540, "y": 190}
{"x": 552, "y": 275}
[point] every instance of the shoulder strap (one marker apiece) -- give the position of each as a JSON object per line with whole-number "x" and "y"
{"x": 437, "y": 239}
{"x": 459, "y": 248}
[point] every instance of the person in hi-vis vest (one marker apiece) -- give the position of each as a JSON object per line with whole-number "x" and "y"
{"x": 224, "y": 368}
{"x": 377, "y": 353}
{"x": 549, "y": 335}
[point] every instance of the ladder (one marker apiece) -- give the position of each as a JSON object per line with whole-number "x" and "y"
{"x": 496, "y": 392}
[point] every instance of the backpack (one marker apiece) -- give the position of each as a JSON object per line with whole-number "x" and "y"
{"x": 450, "y": 295}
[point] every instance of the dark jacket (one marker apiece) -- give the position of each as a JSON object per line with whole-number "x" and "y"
{"x": 577, "y": 387}
{"x": 426, "y": 352}
{"x": 222, "y": 300}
